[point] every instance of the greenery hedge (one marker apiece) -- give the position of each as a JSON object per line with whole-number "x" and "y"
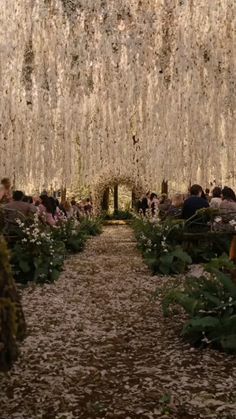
{"x": 38, "y": 250}
{"x": 12, "y": 321}
{"x": 169, "y": 247}
{"x": 210, "y": 303}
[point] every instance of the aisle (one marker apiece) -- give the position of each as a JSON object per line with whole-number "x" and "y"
{"x": 98, "y": 347}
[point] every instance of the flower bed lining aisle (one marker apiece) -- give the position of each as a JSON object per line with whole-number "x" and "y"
{"x": 39, "y": 251}
{"x": 210, "y": 299}
{"x": 99, "y": 347}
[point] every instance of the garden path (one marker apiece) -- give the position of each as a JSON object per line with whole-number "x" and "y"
{"x": 99, "y": 347}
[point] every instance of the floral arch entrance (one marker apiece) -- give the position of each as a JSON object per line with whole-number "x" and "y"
{"x": 103, "y": 186}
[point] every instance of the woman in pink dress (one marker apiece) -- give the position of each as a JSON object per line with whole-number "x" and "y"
{"x": 46, "y": 210}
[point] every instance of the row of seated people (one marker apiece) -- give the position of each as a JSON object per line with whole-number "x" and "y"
{"x": 185, "y": 207}
{"x": 17, "y": 205}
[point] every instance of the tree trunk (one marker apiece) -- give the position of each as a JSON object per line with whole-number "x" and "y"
{"x": 134, "y": 200}
{"x": 116, "y": 198}
{"x": 105, "y": 200}
{"x": 164, "y": 187}
{"x": 232, "y": 254}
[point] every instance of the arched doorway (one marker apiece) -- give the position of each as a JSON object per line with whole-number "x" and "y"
{"x": 110, "y": 193}
{"x": 118, "y": 197}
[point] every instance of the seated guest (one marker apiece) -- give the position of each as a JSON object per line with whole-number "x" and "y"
{"x": 194, "y": 203}
{"x": 228, "y": 204}
{"x": 164, "y": 206}
{"x": 17, "y": 208}
{"x": 81, "y": 209}
{"x": 176, "y": 207}
{"x": 5, "y": 191}
{"x": 154, "y": 204}
{"x": 75, "y": 207}
{"x": 28, "y": 199}
{"x": 216, "y": 199}
{"x": 145, "y": 204}
{"x": 88, "y": 208}
{"x": 59, "y": 212}
{"x": 207, "y": 194}
{"x": 46, "y": 210}
{"x": 69, "y": 209}
{"x": 53, "y": 203}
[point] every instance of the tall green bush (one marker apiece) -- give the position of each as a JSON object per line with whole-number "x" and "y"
{"x": 36, "y": 255}
{"x": 160, "y": 245}
{"x": 39, "y": 251}
{"x": 210, "y": 302}
{"x": 12, "y": 321}
{"x": 91, "y": 226}
{"x": 170, "y": 246}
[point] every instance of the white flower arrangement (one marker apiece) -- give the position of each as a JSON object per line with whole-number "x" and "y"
{"x": 34, "y": 233}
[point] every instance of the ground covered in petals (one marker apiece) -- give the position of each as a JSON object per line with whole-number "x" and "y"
{"x": 99, "y": 347}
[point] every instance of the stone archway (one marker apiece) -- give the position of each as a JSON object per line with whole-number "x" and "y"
{"x": 104, "y": 183}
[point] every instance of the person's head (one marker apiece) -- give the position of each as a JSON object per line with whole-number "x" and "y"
{"x": 45, "y": 201}
{"x": 163, "y": 198}
{"x": 153, "y": 196}
{"x": 88, "y": 200}
{"x": 196, "y": 190}
{"x": 178, "y": 200}
{"x": 6, "y": 183}
{"x": 228, "y": 194}
{"x": 207, "y": 191}
{"x": 203, "y": 195}
{"x": 18, "y": 195}
{"x": 73, "y": 202}
{"x": 216, "y": 193}
{"x": 28, "y": 199}
{"x": 53, "y": 204}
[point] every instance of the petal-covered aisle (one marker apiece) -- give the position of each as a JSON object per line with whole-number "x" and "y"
{"x": 99, "y": 347}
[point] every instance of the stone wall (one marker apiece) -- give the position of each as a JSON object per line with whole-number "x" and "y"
{"x": 136, "y": 88}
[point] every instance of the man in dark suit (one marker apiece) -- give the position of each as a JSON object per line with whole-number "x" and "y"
{"x": 194, "y": 203}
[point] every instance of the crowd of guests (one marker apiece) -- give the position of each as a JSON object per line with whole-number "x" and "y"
{"x": 185, "y": 206}
{"x": 50, "y": 210}
{"x": 178, "y": 206}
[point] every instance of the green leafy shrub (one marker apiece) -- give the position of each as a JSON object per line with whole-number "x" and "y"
{"x": 38, "y": 251}
{"x": 201, "y": 221}
{"x": 74, "y": 234}
{"x": 174, "y": 261}
{"x": 210, "y": 301}
{"x": 170, "y": 246}
{"x": 159, "y": 243}
{"x": 70, "y": 233}
{"x": 12, "y": 321}
{"x": 91, "y": 226}
{"x": 37, "y": 256}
